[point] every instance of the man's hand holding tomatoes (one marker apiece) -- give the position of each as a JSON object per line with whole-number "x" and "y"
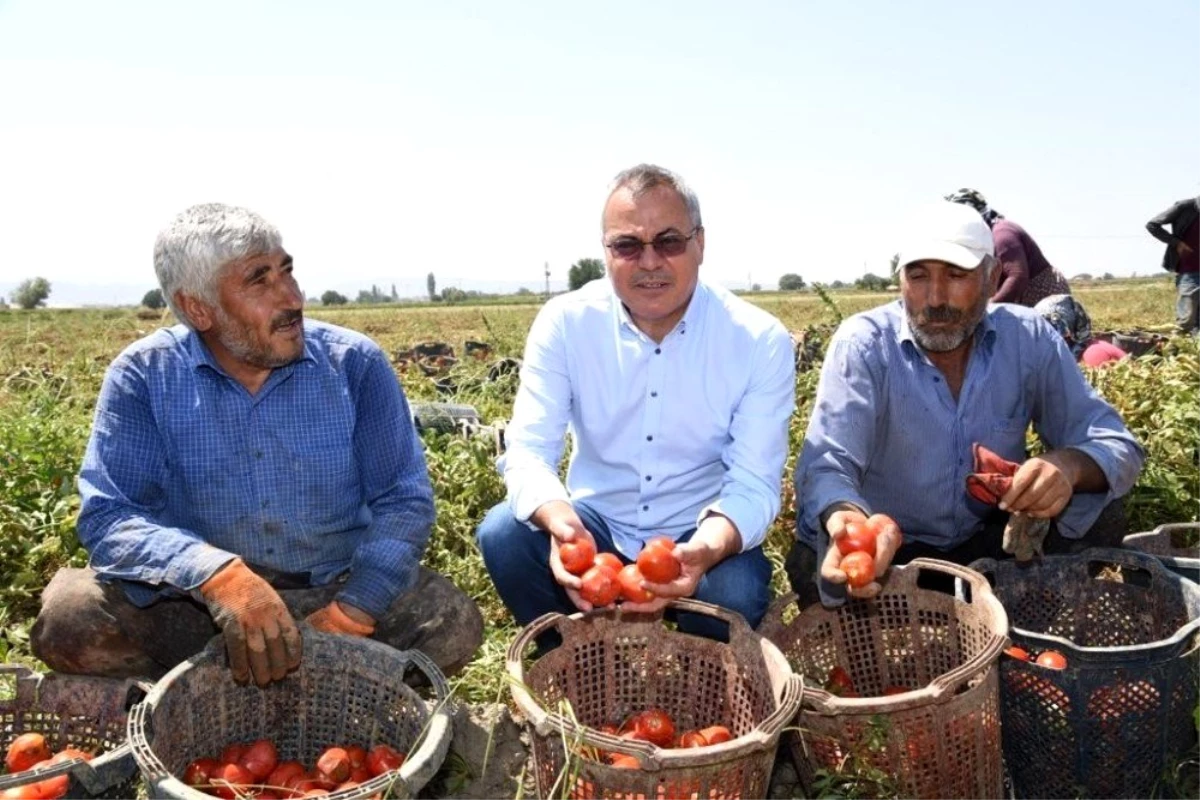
{"x": 852, "y": 531}
{"x": 715, "y": 539}
{"x": 559, "y": 519}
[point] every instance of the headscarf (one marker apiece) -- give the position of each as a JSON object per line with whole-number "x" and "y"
{"x": 1067, "y": 316}
{"x": 976, "y": 200}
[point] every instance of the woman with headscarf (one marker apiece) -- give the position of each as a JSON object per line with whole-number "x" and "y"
{"x": 1025, "y": 275}
{"x": 1067, "y": 316}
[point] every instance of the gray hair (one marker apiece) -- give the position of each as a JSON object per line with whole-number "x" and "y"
{"x": 644, "y": 177}
{"x": 190, "y": 252}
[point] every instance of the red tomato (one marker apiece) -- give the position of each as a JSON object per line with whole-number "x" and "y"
{"x": 382, "y": 758}
{"x": 692, "y": 739}
{"x": 199, "y": 771}
{"x": 1017, "y": 652}
{"x": 286, "y": 772}
{"x": 657, "y": 562}
{"x": 881, "y": 522}
{"x": 630, "y": 578}
{"x": 859, "y": 568}
{"x": 1052, "y": 659}
{"x": 230, "y": 780}
{"x": 656, "y": 726}
{"x": 52, "y": 788}
{"x": 859, "y": 538}
{"x": 894, "y": 690}
{"x": 609, "y": 560}
{"x": 624, "y": 761}
{"x": 232, "y": 753}
{"x": 28, "y": 791}
{"x": 577, "y": 555}
{"x": 600, "y": 587}
{"x": 839, "y": 683}
{"x": 716, "y": 734}
{"x": 334, "y": 765}
{"x": 260, "y": 758}
{"x": 25, "y": 751}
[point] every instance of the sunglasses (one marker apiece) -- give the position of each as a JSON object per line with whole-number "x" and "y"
{"x": 666, "y": 245}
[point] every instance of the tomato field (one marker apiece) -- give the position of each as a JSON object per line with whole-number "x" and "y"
{"x": 52, "y": 363}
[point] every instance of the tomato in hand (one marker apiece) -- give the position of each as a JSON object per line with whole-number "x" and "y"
{"x": 600, "y": 587}
{"x": 656, "y": 726}
{"x": 859, "y": 538}
{"x": 1051, "y": 659}
{"x": 609, "y": 560}
{"x": 859, "y": 568}
{"x": 577, "y": 555}
{"x": 25, "y": 751}
{"x": 657, "y": 561}
{"x": 630, "y": 578}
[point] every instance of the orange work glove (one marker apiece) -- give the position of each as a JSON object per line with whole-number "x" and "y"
{"x": 332, "y": 619}
{"x": 260, "y": 634}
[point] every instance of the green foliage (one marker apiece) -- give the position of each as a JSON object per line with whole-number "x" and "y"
{"x": 584, "y": 270}
{"x": 857, "y": 775}
{"x": 31, "y": 293}
{"x": 431, "y": 286}
{"x": 154, "y": 299}
{"x": 872, "y": 283}
{"x": 791, "y": 282}
{"x": 332, "y": 298}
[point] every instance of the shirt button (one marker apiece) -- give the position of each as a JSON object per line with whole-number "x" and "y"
{"x": 649, "y": 438}
{"x": 647, "y": 477}
{"x": 937, "y": 380}
{"x": 258, "y": 453}
{"x": 645, "y": 508}
{"x": 654, "y": 394}
{"x": 657, "y": 351}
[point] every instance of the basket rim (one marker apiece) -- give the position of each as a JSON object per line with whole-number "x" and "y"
{"x": 1160, "y": 533}
{"x": 414, "y": 773}
{"x": 787, "y": 695}
{"x": 1119, "y": 557}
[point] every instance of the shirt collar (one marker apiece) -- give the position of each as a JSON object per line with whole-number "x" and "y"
{"x": 691, "y": 318}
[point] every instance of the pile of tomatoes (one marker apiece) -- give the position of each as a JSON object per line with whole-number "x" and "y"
{"x": 656, "y": 727}
{"x": 1050, "y": 659}
{"x": 254, "y": 769}
{"x": 30, "y": 750}
{"x": 605, "y": 580}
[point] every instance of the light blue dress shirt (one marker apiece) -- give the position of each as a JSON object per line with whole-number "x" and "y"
{"x": 663, "y": 434}
{"x": 887, "y": 435}
{"x": 319, "y": 472}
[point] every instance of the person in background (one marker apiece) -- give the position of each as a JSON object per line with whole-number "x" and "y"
{"x": 1067, "y": 316}
{"x": 677, "y": 396}
{"x": 247, "y": 469}
{"x": 1182, "y": 257}
{"x": 1025, "y": 275}
{"x": 924, "y": 403}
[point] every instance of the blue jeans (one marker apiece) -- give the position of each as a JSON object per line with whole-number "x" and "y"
{"x": 518, "y": 560}
{"x": 1187, "y": 301}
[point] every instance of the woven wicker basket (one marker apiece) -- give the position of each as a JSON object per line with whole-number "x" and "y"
{"x": 347, "y": 691}
{"x": 613, "y": 665}
{"x": 941, "y": 738}
{"x": 1107, "y": 724}
{"x": 1162, "y": 543}
{"x": 71, "y": 710}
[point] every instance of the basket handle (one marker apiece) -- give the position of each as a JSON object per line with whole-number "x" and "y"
{"x": 441, "y": 688}
{"x": 785, "y": 712}
{"x": 981, "y": 590}
{"x": 737, "y": 623}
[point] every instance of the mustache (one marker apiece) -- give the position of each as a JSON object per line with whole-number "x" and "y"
{"x": 942, "y": 314}
{"x": 650, "y": 277}
{"x": 282, "y": 320}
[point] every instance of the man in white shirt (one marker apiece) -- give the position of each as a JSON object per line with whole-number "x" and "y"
{"x": 677, "y": 395}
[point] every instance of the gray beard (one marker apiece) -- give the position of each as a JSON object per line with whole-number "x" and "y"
{"x": 945, "y": 341}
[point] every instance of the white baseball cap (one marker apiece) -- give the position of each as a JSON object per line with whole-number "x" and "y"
{"x": 949, "y": 232}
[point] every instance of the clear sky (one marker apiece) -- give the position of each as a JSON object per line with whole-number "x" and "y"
{"x": 476, "y": 140}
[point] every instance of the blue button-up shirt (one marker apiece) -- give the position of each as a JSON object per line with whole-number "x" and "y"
{"x": 887, "y": 435}
{"x": 319, "y": 472}
{"x": 664, "y": 433}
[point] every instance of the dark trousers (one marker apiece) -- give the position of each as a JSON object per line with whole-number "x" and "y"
{"x": 89, "y": 627}
{"x": 803, "y": 567}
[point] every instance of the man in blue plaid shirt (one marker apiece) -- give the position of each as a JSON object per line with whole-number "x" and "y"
{"x": 247, "y": 469}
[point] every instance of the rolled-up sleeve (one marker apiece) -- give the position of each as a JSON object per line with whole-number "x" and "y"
{"x": 840, "y": 437}
{"x": 535, "y": 437}
{"x": 1071, "y": 414}
{"x": 758, "y": 441}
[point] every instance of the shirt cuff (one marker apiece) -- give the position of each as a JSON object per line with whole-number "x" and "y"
{"x": 194, "y": 565}
{"x": 374, "y": 590}
{"x": 529, "y": 492}
{"x": 741, "y": 512}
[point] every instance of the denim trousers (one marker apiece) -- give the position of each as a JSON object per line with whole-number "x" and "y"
{"x": 518, "y": 561}
{"x": 1187, "y": 301}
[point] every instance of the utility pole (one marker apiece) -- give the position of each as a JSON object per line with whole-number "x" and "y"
{"x": 547, "y": 279}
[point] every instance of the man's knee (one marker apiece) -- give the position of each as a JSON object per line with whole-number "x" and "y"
{"x": 741, "y": 583}
{"x": 437, "y": 618}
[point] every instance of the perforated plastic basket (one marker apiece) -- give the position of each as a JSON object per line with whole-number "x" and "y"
{"x": 941, "y": 737}
{"x": 347, "y": 690}
{"x": 1165, "y": 543}
{"x": 1120, "y": 712}
{"x": 76, "y": 711}
{"x": 611, "y": 666}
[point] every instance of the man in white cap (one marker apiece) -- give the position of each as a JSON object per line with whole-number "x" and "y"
{"x": 921, "y": 414}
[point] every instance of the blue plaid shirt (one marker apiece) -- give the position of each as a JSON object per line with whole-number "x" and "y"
{"x": 320, "y": 472}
